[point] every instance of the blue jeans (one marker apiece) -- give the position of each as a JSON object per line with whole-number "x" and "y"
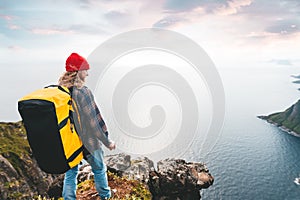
{"x": 100, "y": 177}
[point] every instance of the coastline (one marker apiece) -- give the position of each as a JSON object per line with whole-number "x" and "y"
{"x": 283, "y": 128}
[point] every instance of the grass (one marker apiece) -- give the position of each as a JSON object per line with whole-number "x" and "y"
{"x": 122, "y": 187}
{"x": 13, "y": 139}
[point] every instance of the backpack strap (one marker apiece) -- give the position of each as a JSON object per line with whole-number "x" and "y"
{"x": 74, "y": 109}
{"x": 61, "y": 88}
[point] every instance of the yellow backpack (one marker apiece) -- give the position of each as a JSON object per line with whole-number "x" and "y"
{"x": 52, "y": 136}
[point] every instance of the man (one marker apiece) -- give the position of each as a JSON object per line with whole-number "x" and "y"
{"x": 90, "y": 126}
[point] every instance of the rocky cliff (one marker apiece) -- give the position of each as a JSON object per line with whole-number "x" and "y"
{"x": 21, "y": 178}
{"x": 288, "y": 120}
{"x": 173, "y": 179}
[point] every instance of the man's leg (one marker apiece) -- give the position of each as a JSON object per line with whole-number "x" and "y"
{"x": 70, "y": 184}
{"x": 100, "y": 176}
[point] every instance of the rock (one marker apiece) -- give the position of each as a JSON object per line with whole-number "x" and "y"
{"x": 118, "y": 163}
{"x": 37, "y": 179}
{"x": 137, "y": 169}
{"x": 85, "y": 173}
{"x": 173, "y": 179}
{"x": 177, "y": 179}
{"x": 205, "y": 180}
{"x": 10, "y": 172}
{"x": 8, "y": 176}
{"x": 24, "y": 182}
{"x": 55, "y": 188}
{"x": 21, "y": 178}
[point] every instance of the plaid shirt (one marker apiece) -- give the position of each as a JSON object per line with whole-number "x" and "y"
{"x": 92, "y": 131}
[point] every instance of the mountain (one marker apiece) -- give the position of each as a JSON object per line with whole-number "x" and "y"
{"x": 295, "y": 76}
{"x": 297, "y": 82}
{"x": 288, "y": 120}
{"x": 21, "y": 178}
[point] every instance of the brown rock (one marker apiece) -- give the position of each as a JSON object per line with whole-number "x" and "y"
{"x": 205, "y": 179}
{"x": 177, "y": 179}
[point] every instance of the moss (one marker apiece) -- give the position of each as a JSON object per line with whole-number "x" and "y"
{"x": 14, "y": 192}
{"x": 13, "y": 143}
{"x": 39, "y": 197}
{"x": 133, "y": 189}
{"x": 13, "y": 139}
{"x": 16, "y": 195}
{"x": 122, "y": 188}
{"x": 85, "y": 186}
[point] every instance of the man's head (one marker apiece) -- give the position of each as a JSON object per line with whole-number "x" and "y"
{"x": 75, "y": 62}
{"x": 76, "y": 71}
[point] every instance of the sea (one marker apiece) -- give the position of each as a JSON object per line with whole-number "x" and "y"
{"x": 253, "y": 159}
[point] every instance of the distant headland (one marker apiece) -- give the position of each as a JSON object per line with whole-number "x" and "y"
{"x": 288, "y": 120}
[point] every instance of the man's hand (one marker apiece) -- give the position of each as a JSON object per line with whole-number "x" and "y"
{"x": 112, "y": 146}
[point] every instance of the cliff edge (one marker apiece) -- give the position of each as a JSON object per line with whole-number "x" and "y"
{"x": 288, "y": 120}
{"x": 129, "y": 178}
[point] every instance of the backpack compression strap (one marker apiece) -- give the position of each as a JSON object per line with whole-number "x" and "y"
{"x": 65, "y": 121}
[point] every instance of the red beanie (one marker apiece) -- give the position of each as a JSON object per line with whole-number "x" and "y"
{"x": 75, "y": 62}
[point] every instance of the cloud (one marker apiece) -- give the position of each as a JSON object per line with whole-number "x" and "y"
{"x": 180, "y": 6}
{"x": 222, "y": 7}
{"x": 15, "y": 48}
{"x": 284, "y": 27}
{"x": 285, "y": 62}
{"x": 266, "y": 10}
{"x": 114, "y": 14}
{"x": 72, "y": 29}
{"x": 50, "y": 31}
{"x": 6, "y": 17}
{"x": 259, "y": 15}
{"x": 9, "y": 21}
{"x": 179, "y": 12}
{"x": 168, "y": 21}
{"x": 232, "y": 7}
{"x": 87, "y": 29}
{"x": 118, "y": 17}
{"x": 242, "y": 21}
{"x": 259, "y": 35}
{"x": 13, "y": 27}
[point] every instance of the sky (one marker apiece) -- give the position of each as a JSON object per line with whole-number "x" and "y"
{"x": 37, "y": 36}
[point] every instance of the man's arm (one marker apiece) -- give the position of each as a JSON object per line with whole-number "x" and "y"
{"x": 96, "y": 125}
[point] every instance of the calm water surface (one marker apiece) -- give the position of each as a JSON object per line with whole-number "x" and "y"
{"x": 253, "y": 159}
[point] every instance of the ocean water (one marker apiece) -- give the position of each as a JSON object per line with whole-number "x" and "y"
{"x": 253, "y": 159}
